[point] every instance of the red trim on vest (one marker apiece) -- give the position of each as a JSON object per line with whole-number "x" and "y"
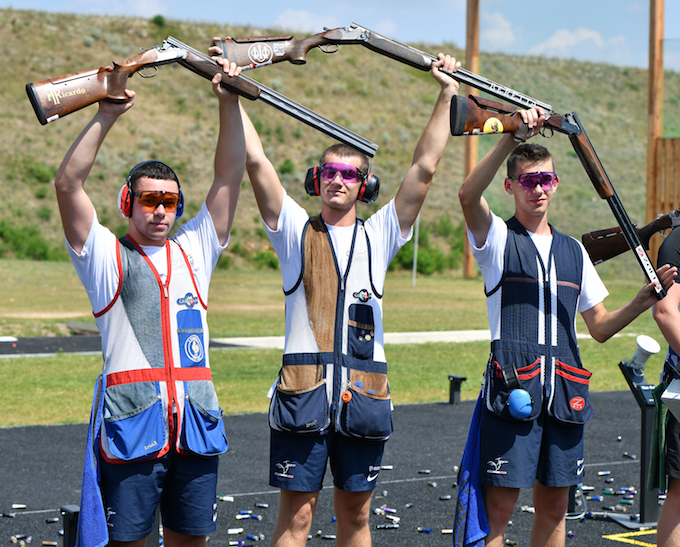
{"x": 186, "y": 374}
{"x": 119, "y": 263}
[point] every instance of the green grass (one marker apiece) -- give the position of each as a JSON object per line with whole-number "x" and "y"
{"x": 51, "y": 390}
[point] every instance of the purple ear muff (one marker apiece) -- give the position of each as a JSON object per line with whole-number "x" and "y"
{"x": 368, "y": 192}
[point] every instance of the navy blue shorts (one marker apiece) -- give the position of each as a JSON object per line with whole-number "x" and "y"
{"x": 185, "y": 486}
{"x": 298, "y": 462}
{"x": 514, "y": 454}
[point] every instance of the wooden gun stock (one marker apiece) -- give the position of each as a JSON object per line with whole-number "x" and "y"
{"x": 55, "y": 98}
{"x": 610, "y": 242}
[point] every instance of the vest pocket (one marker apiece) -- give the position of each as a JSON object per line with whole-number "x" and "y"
{"x": 529, "y": 368}
{"x": 203, "y": 430}
{"x": 300, "y": 401}
{"x": 360, "y": 331}
{"x": 134, "y": 420}
{"x": 365, "y": 410}
{"x": 190, "y": 336}
{"x": 571, "y": 401}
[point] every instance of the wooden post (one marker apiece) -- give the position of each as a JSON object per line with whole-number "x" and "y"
{"x": 471, "y": 143}
{"x": 655, "y": 193}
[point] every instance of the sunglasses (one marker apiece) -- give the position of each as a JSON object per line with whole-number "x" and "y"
{"x": 349, "y": 173}
{"x": 153, "y": 199}
{"x": 528, "y": 181}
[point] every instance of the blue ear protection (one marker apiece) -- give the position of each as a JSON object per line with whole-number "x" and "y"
{"x": 124, "y": 200}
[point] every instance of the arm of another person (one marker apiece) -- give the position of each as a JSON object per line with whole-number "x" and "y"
{"x": 603, "y": 324}
{"x": 666, "y": 313}
{"x": 430, "y": 147}
{"x": 230, "y": 158}
{"x": 75, "y": 206}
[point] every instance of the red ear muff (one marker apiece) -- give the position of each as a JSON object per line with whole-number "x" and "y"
{"x": 369, "y": 189}
{"x": 312, "y": 181}
{"x": 123, "y": 201}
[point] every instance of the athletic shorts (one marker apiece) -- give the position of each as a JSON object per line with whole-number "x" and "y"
{"x": 514, "y": 454}
{"x": 185, "y": 486}
{"x": 673, "y": 447}
{"x": 298, "y": 462}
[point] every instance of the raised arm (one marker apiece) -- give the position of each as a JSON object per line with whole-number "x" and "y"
{"x": 75, "y": 206}
{"x": 667, "y": 315}
{"x": 430, "y": 147}
{"x": 266, "y": 184}
{"x": 230, "y": 158}
{"x": 475, "y": 207}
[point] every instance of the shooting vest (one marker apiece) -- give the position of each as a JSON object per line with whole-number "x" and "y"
{"x": 154, "y": 342}
{"x": 334, "y": 373}
{"x": 537, "y": 332}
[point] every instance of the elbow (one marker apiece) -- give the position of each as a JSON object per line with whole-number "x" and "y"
{"x": 600, "y": 337}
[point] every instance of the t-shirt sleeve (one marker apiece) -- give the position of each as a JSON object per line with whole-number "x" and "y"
{"x": 97, "y": 265}
{"x": 199, "y": 241}
{"x": 383, "y": 226}
{"x": 286, "y": 239}
{"x": 490, "y": 256}
{"x": 593, "y": 290}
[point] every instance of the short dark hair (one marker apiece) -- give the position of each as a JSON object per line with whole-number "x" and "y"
{"x": 154, "y": 170}
{"x": 527, "y": 153}
{"x": 346, "y": 151}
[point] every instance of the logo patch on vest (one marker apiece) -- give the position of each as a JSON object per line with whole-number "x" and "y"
{"x": 363, "y": 295}
{"x": 577, "y": 403}
{"x": 193, "y": 347}
{"x": 189, "y": 300}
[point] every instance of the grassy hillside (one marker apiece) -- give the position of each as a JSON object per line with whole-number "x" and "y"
{"x": 175, "y": 119}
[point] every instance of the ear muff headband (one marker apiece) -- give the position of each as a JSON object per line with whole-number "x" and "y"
{"x": 124, "y": 200}
{"x": 368, "y": 193}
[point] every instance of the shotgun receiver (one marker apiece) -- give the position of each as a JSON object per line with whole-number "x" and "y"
{"x": 610, "y": 242}
{"x": 57, "y": 97}
{"x": 254, "y": 52}
{"x": 475, "y": 116}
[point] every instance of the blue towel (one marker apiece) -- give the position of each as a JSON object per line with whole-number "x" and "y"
{"x": 92, "y": 528}
{"x": 470, "y": 526}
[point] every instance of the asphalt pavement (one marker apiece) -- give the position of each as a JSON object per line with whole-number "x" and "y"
{"x": 41, "y": 467}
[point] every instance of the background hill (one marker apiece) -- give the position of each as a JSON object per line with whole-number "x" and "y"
{"x": 175, "y": 120}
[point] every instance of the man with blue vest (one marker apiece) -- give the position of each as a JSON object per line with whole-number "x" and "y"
{"x": 331, "y": 400}
{"x": 536, "y": 280}
{"x": 156, "y": 427}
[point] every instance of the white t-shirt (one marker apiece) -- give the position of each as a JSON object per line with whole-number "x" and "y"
{"x": 490, "y": 258}
{"x": 382, "y": 228}
{"x": 97, "y": 267}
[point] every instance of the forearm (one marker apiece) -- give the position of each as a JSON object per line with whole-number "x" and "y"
{"x": 432, "y": 143}
{"x": 263, "y": 177}
{"x": 603, "y": 324}
{"x": 484, "y": 172}
{"x": 230, "y": 153}
{"x": 76, "y": 165}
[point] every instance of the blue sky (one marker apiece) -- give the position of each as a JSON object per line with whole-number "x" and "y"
{"x": 612, "y": 31}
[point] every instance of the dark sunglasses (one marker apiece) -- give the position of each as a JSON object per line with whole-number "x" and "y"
{"x": 349, "y": 173}
{"x": 153, "y": 199}
{"x": 528, "y": 181}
